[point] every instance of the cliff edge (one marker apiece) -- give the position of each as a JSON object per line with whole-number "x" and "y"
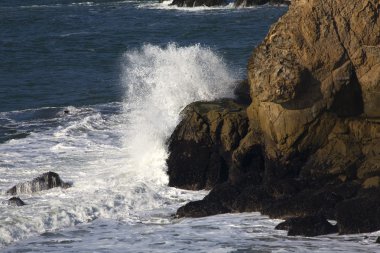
{"x": 309, "y": 141}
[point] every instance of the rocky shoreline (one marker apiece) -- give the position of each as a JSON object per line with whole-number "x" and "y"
{"x": 306, "y": 141}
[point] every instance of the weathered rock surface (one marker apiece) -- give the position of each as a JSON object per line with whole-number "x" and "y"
{"x": 309, "y": 142}
{"x": 203, "y": 142}
{"x": 15, "y": 201}
{"x": 45, "y": 181}
{"x": 307, "y": 226}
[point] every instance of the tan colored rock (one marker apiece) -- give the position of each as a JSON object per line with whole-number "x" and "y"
{"x": 321, "y": 59}
{"x": 371, "y": 182}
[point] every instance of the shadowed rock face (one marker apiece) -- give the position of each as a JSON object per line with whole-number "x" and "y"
{"x": 201, "y": 146}
{"x": 310, "y": 143}
{"x": 307, "y": 226}
{"x": 45, "y": 181}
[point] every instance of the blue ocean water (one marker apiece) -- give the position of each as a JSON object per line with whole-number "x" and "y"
{"x": 123, "y": 70}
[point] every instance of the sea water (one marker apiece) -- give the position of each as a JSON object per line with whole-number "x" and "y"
{"x": 92, "y": 90}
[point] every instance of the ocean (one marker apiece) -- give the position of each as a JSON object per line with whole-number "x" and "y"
{"x": 123, "y": 70}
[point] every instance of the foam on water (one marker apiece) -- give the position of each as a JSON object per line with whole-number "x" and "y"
{"x": 113, "y": 153}
{"x": 160, "y": 82}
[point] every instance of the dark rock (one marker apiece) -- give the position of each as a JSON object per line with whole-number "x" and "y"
{"x": 308, "y": 143}
{"x": 378, "y": 240}
{"x": 201, "y": 146}
{"x": 219, "y": 201}
{"x": 307, "y": 226}
{"x": 16, "y": 201}
{"x": 201, "y": 208}
{"x": 360, "y": 214}
{"x": 241, "y": 92}
{"x": 195, "y": 3}
{"x": 45, "y": 181}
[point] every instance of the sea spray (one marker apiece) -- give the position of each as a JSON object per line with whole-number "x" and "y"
{"x": 160, "y": 82}
{"x": 114, "y": 153}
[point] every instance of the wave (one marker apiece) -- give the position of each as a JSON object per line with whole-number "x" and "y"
{"x": 160, "y": 82}
{"x": 114, "y": 153}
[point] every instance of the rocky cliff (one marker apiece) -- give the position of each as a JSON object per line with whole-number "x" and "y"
{"x": 309, "y": 142}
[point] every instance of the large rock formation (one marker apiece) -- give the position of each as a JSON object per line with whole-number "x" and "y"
{"x": 43, "y": 182}
{"x": 312, "y": 144}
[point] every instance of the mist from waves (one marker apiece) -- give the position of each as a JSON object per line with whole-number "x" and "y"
{"x": 113, "y": 153}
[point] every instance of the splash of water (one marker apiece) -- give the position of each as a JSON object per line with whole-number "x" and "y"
{"x": 160, "y": 82}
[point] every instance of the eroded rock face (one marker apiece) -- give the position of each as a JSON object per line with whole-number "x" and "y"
{"x": 312, "y": 141}
{"x": 202, "y": 144}
{"x": 318, "y": 63}
{"x": 45, "y": 181}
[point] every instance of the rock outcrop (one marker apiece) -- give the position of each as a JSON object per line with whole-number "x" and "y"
{"x": 307, "y": 226}
{"x": 15, "y": 201}
{"x": 45, "y": 181}
{"x": 309, "y": 142}
{"x": 204, "y": 142}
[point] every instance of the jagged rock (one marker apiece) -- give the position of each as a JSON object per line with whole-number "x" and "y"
{"x": 202, "y": 144}
{"x": 311, "y": 138}
{"x": 307, "y": 226}
{"x": 312, "y": 68}
{"x": 45, "y": 181}
{"x": 195, "y": 3}
{"x": 15, "y": 201}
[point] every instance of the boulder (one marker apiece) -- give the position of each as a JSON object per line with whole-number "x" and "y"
{"x": 45, "y": 181}
{"x": 16, "y": 201}
{"x": 307, "y": 226}
{"x": 202, "y": 144}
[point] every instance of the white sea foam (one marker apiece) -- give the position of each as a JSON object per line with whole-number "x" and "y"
{"x": 115, "y": 160}
{"x": 160, "y": 82}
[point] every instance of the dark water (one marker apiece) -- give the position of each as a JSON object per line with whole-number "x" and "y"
{"x": 77, "y": 56}
{"x": 67, "y": 52}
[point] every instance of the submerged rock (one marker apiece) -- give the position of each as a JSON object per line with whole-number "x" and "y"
{"x": 45, "y": 181}
{"x": 16, "y": 201}
{"x": 307, "y": 226}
